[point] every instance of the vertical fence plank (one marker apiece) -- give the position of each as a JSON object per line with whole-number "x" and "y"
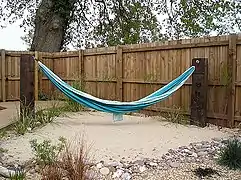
{"x": 232, "y": 63}
{"x": 36, "y": 77}
{"x": 3, "y": 61}
{"x": 40, "y": 75}
{"x": 81, "y": 72}
{"x": 119, "y": 73}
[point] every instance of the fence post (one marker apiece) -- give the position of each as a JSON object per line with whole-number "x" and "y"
{"x": 3, "y": 64}
{"x": 36, "y": 76}
{"x": 232, "y": 64}
{"x": 26, "y": 85}
{"x": 81, "y": 74}
{"x": 119, "y": 73}
{"x": 199, "y": 92}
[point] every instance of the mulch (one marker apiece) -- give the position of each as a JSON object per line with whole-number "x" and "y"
{"x": 2, "y": 108}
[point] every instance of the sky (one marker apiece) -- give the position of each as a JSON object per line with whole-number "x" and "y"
{"x": 10, "y": 38}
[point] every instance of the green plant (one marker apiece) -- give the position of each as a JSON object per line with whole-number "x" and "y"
{"x": 46, "y": 153}
{"x": 26, "y": 122}
{"x": 2, "y": 150}
{"x": 3, "y": 133}
{"x": 176, "y": 116}
{"x": 19, "y": 174}
{"x": 230, "y": 155}
{"x": 72, "y": 164}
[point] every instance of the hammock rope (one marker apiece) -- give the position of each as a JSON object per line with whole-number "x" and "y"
{"x": 118, "y": 108}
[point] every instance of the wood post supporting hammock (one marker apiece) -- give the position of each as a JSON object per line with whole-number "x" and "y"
{"x": 27, "y": 99}
{"x": 199, "y": 92}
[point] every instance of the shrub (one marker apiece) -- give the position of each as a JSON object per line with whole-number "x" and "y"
{"x": 72, "y": 164}
{"x": 230, "y": 155}
{"x": 45, "y": 153}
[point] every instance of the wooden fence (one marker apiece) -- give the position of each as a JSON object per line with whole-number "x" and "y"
{"x": 129, "y": 72}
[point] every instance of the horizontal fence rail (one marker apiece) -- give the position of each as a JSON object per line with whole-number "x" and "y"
{"x": 129, "y": 72}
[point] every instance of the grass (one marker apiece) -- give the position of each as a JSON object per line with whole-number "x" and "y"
{"x": 19, "y": 174}
{"x": 230, "y": 155}
{"x": 26, "y": 121}
{"x": 45, "y": 153}
{"x": 176, "y": 116}
{"x": 62, "y": 161}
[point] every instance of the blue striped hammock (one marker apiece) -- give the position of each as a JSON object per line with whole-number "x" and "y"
{"x": 116, "y": 107}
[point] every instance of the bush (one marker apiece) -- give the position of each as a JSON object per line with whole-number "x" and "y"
{"x": 230, "y": 155}
{"x": 45, "y": 153}
{"x": 72, "y": 164}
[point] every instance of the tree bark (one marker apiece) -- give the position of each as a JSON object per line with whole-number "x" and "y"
{"x": 50, "y": 26}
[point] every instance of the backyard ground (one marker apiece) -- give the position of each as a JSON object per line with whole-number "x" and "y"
{"x": 135, "y": 139}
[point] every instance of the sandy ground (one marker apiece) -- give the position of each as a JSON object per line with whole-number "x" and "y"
{"x": 133, "y": 138}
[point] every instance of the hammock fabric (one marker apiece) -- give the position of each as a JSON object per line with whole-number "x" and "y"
{"x": 116, "y": 107}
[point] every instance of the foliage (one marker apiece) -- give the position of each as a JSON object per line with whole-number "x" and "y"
{"x": 91, "y": 23}
{"x": 45, "y": 153}
{"x": 196, "y": 18}
{"x": 176, "y": 116}
{"x": 72, "y": 163}
{"x": 26, "y": 122}
{"x": 132, "y": 22}
{"x": 19, "y": 174}
{"x": 230, "y": 155}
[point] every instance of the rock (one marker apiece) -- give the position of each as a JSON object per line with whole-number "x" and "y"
{"x": 142, "y": 169}
{"x": 99, "y": 165}
{"x": 126, "y": 176}
{"x": 114, "y": 164}
{"x": 174, "y": 164}
{"x": 217, "y": 139}
{"x": 104, "y": 171}
{"x": 205, "y": 146}
{"x": 153, "y": 164}
{"x": 202, "y": 153}
{"x": 118, "y": 173}
{"x": 139, "y": 162}
{"x": 194, "y": 155}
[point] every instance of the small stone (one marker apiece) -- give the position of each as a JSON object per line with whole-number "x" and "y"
{"x": 99, "y": 165}
{"x": 142, "y": 169}
{"x": 206, "y": 146}
{"x": 153, "y": 164}
{"x": 174, "y": 164}
{"x": 114, "y": 164}
{"x": 187, "y": 151}
{"x": 217, "y": 139}
{"x": 118, "y": 173}
{"x": 126, "y": 176}
{"x": 194, "y": 155}
{"x": 104, "y": 171}
{"x": 202, "y": 153}
{"x": 139, "y": 162}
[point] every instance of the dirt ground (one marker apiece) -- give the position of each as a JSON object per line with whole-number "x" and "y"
{"x": 133, "y": 138}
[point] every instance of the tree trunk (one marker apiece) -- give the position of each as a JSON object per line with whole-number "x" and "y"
{"x": 50, "y": 26}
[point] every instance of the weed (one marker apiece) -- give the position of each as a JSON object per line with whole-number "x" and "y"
{"x": 19, "y": 174}
{"x": 3, "y": 133}
{"x": 2, "y": 150}
{"x": 230, "y": 155}
{"x": 26, "y": 122}
{"x": 45, "y": 153}
{"x": 72, "y": 164}
{"x": 176, "y": 116}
